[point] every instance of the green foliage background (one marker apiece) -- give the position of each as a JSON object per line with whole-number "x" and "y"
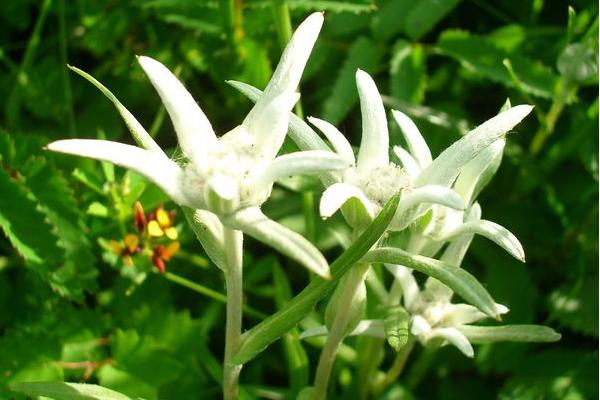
{"x": 67, "y": 304}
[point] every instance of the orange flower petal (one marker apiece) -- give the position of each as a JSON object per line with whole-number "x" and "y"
{"x": 131, "y": 242}
{"x": 170, "y": 251}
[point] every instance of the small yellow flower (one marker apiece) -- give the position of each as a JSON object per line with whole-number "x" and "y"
{"x": 161, "y": 224}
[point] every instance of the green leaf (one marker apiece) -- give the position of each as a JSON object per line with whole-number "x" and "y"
{"x": 407, "y": 72}
{"x": 457, "y": 279}
{"x": 78, "y": 274}
{"x": 144, "y": 358}
{"x": 554, "y": 375}
{"x": 259, "y": 337}
{"x": 578, "y": 63}
{"x": 26, "y": 227}
{"x": 296, "y": 357}
{"x": 509, "y": 333}
{"x": 421, "y": 18}
{"x": 68, "y": 391}
{"x": 476, "y": 53}
{"x": 363, "y": 54}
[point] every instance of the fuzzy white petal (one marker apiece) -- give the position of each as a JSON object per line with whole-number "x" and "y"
{"x": 300, "y": 132}
{"x": 269, "y": 124}
{"x": 140, "y": 135}
{"x": 337, "y": 194}
{"x": 291, "y": 65}
{"x": 408, "y": 162}
{"x": 299, "y": 163}
{"x": 154, "y": 166}
{"x": 446, "y": 167}
{"x": 479, "y": 171}
{"x": 419, "y": 326}
{"x": 417, "y": 145}
{"x": 460, "y": 314}
{"x": 408, "y": 283}
{"x": 374, "y": 145}
{"x": 336, "y": 138}
{"x": 194, "y": 132}
{"x": 432, "y": 194}
{"x": 253, "y": 222}
{"x": 456, "y": 338}
{"x": 491, "y": 230}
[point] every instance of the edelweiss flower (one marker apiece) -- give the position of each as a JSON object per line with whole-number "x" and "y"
{"x": 233, "y": 175}
{"x": 373, "y": 179}
{"x": 446, "y": 224}
{"x": 435, "y": 317}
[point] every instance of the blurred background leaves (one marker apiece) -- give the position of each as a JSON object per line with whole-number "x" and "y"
{"x": 69, "y": 309}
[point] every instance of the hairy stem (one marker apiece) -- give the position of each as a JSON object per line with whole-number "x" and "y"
{"x": 233, "y": 329}
{"x": 338, "y": 330}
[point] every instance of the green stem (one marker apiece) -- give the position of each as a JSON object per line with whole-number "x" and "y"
{"x": 338, "y": 329}
{"x": 396, "y": 369}
{"x": 308, "y": 206}
{"x": 14, "y": 99}
{"x": 66, "y": 81}
{"x": 233, "y": 329}
{"x": 420, "y": 367}
{"x": 282, "y": 22}
{"x": 232, "y": 16}
{"x": 210, "y": 293}
{"x": 546, "y": 129}
{"x": 370, "y": 357}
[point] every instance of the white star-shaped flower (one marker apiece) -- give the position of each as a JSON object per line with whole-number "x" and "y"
{"x": 233, "y": 175}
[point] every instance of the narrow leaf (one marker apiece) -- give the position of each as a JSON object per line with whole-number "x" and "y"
{"x": 509, "y": 333}
{"x": 459, "y": 280}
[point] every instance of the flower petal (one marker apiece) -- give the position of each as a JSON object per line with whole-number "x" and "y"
{"x": 253, "y": 222}
{"x": 417, "y": 145}
{"x": 491, "y": 230}
{"x": 479, "y": 171}
{"x": 299, "y": 163}
{"x": 373, "y": 151}
{"x": 154, "y": 166}
{"x": 194, "y": 132}
{"x": 291, "y": 65}
{"x": 456, "y": 250}
{"x": 460, "y": 314}
{"x": 337, "y": 194}
{"x": 140, "y": 135}
{"x": 300, "y": 132}
{"x": 419, "y": 326}
{"x": 408, "y": 283}
{"x": 269, "y": 124}
{"x": 446, "y": 167}
{"x": 456, "y": 338}
{"x": 336, "y": 138}
{"x": 408, "y": 162}
{"x": 408, "y": 209}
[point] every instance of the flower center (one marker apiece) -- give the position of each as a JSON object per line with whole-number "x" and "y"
{"x": 380, "y": 183}
{"x": 227, "y": 171}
